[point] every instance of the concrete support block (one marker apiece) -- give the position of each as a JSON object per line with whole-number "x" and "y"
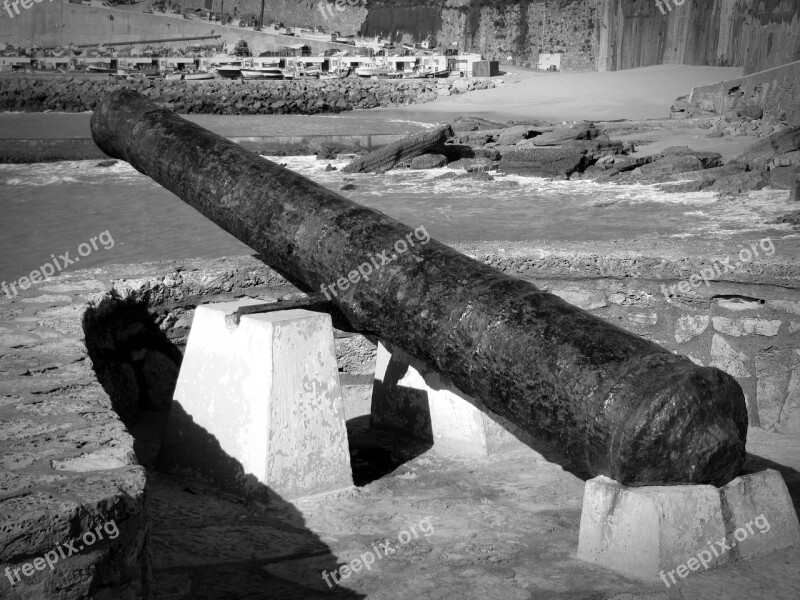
{"x": 666, "y": 532}
{"x": 410, "y": 399}
{"x": 258, "y": 404}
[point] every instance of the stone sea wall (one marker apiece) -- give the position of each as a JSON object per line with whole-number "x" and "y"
{"x": 776, "y": 91}
{"x": 230, "y": 97}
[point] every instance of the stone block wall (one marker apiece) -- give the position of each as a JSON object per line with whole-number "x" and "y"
{"x": 776, "y": 91}
{"x": 757, "y": 340}
{"x": 747, "y": 324}
{"x": 72, "y": 516}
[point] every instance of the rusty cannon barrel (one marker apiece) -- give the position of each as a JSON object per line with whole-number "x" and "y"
{"x": 603, "y": 399}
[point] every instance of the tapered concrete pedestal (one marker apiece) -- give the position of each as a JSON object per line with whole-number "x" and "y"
{"x": 410, "y": 399}
{"x": 665, "y": 533}
{"x": 258, "y": 405}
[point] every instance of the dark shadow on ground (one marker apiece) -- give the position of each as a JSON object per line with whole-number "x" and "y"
{"x": 215, "y": 532}
{"x": 375, "y": 453}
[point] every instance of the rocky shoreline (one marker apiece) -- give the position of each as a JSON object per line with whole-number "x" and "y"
{"x": 233, "y": 97}
{"x": 585, "y": 151}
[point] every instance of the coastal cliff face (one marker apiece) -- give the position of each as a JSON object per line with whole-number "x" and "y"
{"x": 755, "y": 34}
{"x": 495, "y": 28}
{"x": 589, "y": 34}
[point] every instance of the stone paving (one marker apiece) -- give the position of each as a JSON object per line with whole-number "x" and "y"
{"x": 501, "y": 527}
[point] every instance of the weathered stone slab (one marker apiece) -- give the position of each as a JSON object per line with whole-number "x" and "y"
{"x": 260, "y": 403}
{"x": 580, "y": 131}
{"x": 740, "y": 327}
{"x": 760, "y": 153}
{"x": 515, "y": 134}
{"x": 403, "y": 150}
{"x": 666, "y": 532}
{"x": 544, "y": 162}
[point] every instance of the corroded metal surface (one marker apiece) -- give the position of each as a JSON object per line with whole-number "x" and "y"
{"x": 609, "y": 401}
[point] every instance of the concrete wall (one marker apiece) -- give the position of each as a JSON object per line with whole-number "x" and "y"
{"x": 775, "y": 90}
{"x": 59, "y": 23}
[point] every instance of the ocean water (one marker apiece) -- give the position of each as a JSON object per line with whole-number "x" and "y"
{"x": 52, "y": 208}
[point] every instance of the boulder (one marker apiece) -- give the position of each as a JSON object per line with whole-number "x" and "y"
{"x": 751, "y": 111}
{"x": 581, "y": 131}
{"x": 455, "y": 152}
{"x": 471, "y": 176}
{"x": 783, "y": 178}
{"x": 428, "y": 161}
{"x": 403, "y": 150}
{"x": 478, "y": 138}
{"x": 739, "y": 183}
{"x": 785, "y": 160}
{"x": 680, "y": 109}
{"x": 473, "y": 123}
{"x": 516, "y": 134}
{"x": 460, "y": 86}
{"x": 545, "y": 162}
{"x": 703, "y": 179}
{"x": 611, "y": 166}
{"x": 672, "y": 164}
{"x": 709, "y": 160}
{"x": 471, "y": 164}
{"x": 596, "y": 148}
{"x": 326, "y": 153}
{"x": 759, "y": 154}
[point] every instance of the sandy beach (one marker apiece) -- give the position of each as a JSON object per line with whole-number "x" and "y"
{"x": 644, "y": 93}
